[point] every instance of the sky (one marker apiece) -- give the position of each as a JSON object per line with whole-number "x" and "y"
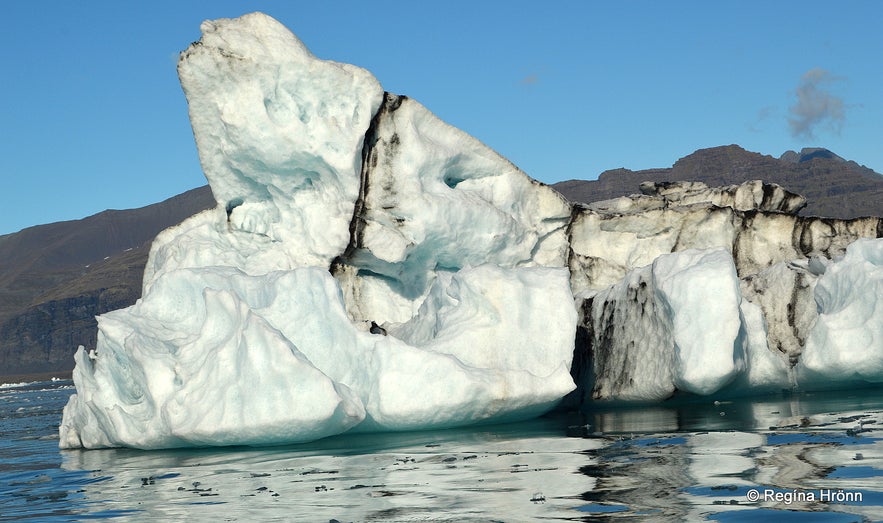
{"x": 93, "y": 116}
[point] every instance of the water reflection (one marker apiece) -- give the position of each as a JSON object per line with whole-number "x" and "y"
{"x": 685, "y": 460}
{"x": 510, "y": 472}
{"x": 798, "y": 452}
{"x": 691, "y": 414}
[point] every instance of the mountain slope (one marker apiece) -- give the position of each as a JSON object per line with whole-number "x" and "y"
{"x": 55, "y": 278}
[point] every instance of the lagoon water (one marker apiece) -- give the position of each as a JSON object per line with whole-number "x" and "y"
{"x": 793, "y": 456}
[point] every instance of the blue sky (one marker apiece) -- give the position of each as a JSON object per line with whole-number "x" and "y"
{"x": 93, "y": 116}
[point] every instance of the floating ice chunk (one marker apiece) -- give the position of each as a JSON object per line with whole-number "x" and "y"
{"x": 369, "y": 267}
{"x": 846, "y": 343}
{"x": 242, "y": 335}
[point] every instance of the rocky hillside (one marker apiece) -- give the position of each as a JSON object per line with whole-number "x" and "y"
{"x": 55, "y": 278}
{"x": 833, "y": 187}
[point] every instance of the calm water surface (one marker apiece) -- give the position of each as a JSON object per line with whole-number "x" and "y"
{"x": 793, "y": 457}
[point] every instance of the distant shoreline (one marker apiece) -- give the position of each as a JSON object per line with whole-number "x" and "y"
{"x": 36, "y": 376}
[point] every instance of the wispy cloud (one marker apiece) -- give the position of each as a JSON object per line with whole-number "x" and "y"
{"x": 816, "y": 106}
{"x": 761, "y": 121}
{"x": 530, "y": 79}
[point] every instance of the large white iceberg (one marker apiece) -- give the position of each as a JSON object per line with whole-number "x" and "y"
{"x": 451, "y": 303}
{"x": 369, "y": 267}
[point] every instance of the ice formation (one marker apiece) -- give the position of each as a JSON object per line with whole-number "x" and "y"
{"x": 369, "y": 267}
{"x": 798, "y": 307}
{"x": 846, "y": 343}
{"x": 451, "y": 302}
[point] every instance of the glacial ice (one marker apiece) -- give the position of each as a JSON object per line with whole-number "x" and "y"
{"x": 244, "y": 336}
{"x": 846, "y": 343}
{"x": 214, "y": 356}
{"x": 806, "y": 296}
{"x": 672, "y": 325}
{"x": 369, "y": 267}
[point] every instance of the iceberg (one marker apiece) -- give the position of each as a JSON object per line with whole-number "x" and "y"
{"x": 368, "y": 267}
{"x": 764, "y": 300}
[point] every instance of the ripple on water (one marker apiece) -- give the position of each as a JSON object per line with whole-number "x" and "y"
{"x": 662, "y": 463}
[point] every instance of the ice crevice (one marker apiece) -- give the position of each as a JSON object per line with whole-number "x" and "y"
{"x": 370, "y": 267}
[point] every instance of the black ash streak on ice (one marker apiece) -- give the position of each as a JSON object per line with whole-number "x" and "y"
{"x": 370, "y": 154}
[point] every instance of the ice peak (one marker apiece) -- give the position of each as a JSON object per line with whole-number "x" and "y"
{"x": 253, "y": 36}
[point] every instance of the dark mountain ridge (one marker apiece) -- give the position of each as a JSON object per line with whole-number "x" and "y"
{"x": 834, "y": 187}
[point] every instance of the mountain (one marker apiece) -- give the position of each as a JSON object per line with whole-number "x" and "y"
{"x": 833, "y": 187}
{"x": 55, "y": 278}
